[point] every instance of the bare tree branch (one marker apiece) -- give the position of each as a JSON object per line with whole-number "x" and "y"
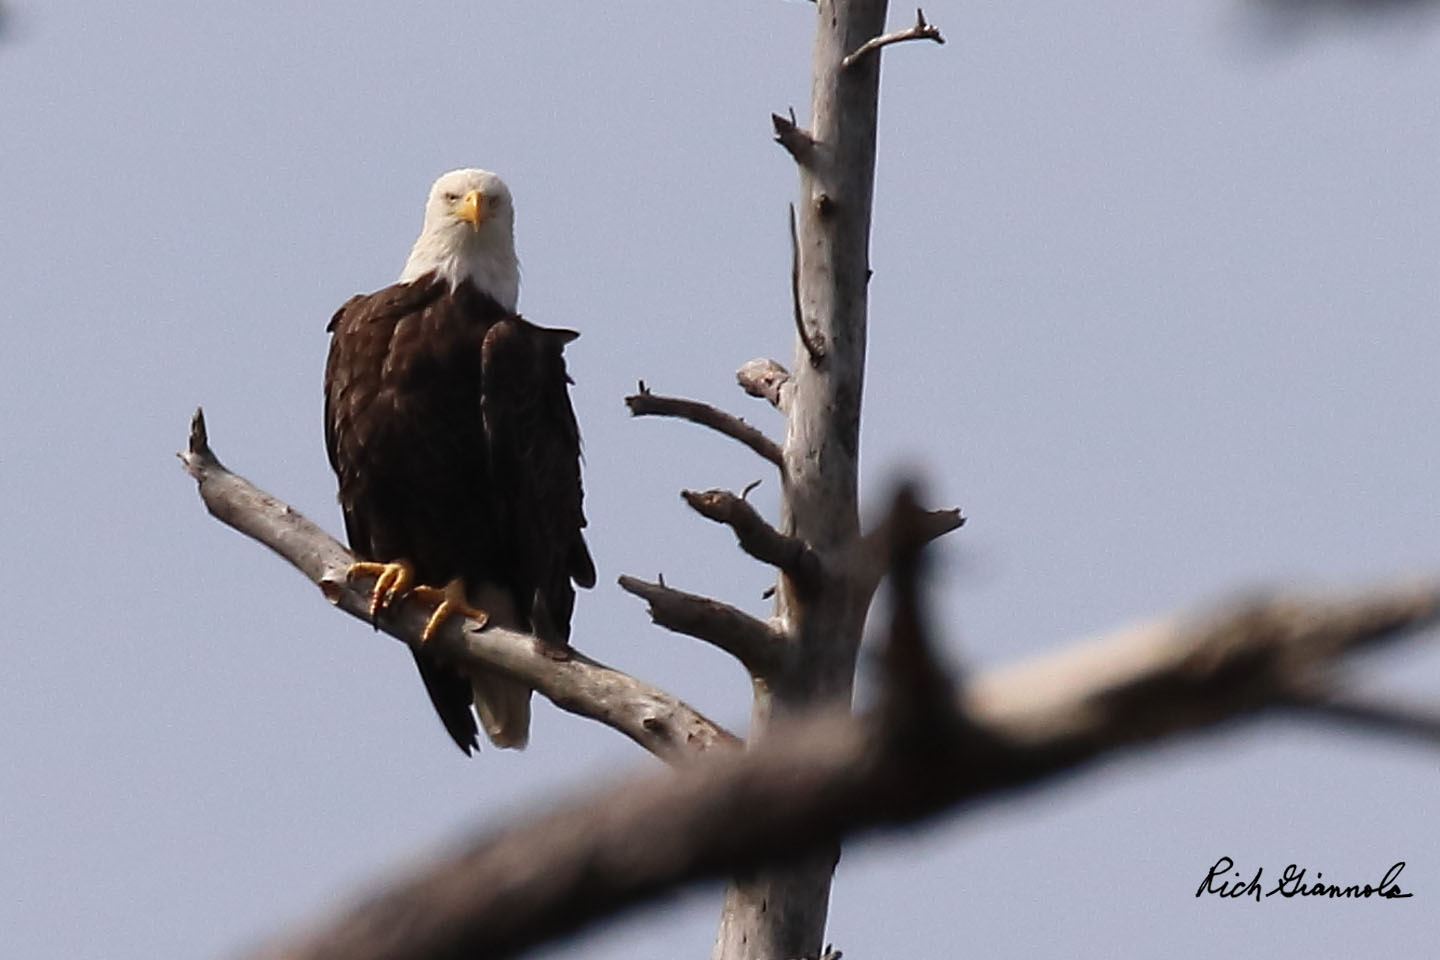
{"x": 798, "y": 143}
{"x": 877, "y": 546}
{"x": 755, "y": 643}
{"x": 1417, "y": 721}
{"x": 1189, "y": 671}
{"x": 758, "y": 538}
{"x": 766, "y": 379}
{"x": 658, "y": 721}
{"x": 647, "y": 404}
{"x": 818, "y": 778}
{"x": 920, "y": 31}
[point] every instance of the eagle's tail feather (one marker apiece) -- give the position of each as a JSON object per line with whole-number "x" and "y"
{"x": 504, "y": 708}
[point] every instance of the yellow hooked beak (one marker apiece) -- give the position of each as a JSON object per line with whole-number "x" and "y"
{"x": 471, "y": 208}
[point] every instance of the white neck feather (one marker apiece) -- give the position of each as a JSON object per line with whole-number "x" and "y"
{"x": 492, "y": 267}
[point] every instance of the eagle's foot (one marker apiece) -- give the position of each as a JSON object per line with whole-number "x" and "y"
{"x": 392, "y": 582}
{"x": 449, "y": 601}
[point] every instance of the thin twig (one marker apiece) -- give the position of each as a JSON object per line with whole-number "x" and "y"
{"x": 758, "y": 538}
{"x": 760, "y": 646}
{"x": 658, "y": 721}
{"x": 813, "y": 346}
{"x": 1418, "y": 721}
{"x": 920, "y": 31}
{"x": 647, "y": 404}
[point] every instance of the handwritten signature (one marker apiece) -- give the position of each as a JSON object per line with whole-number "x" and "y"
{"x": 1292, "y": 884}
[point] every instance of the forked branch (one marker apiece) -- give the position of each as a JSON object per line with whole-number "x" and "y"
{"x": 755, "y": 643}
{"x": 758, "y": 538}
{"x": 647, "y": 404}
{"x": 920, "y": 31}
{"x": 797, "y": 142}
{"x": 878, "y": 545}
{"x": 658, "y": 721}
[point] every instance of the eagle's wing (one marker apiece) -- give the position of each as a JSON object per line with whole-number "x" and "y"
{"x": 534, "y": 460}
{"x": 363, "y": 334}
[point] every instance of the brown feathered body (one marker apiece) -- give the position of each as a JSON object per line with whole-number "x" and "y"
{"x": 449, "y": 425}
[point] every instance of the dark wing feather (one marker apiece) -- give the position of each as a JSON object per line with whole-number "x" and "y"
{"x": 534, "y": 457}
{"x": 383, "y": 449}
{"x": 450, "y": 693}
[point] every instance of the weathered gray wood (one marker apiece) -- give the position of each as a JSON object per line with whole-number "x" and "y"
{"x": 796, "y": 560}
{"x": 658, "y": 721}
{"x": 757, "y": 644}
{"x": 780, "y": 913}
{"x": 647, "y": 404}
{"x": 766, "y": 379}
{"x": 920, "y": 31}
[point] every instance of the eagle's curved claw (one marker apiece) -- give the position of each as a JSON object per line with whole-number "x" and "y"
{"x": 396, "y": 581}
{"x": 449, "y": 601}
{"x": 393, "y": 581}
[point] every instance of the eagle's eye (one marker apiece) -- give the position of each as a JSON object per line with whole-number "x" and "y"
{"x": 452, "y": 197}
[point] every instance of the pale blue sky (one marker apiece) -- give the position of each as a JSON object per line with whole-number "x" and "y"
{"x": 1154, "y": 302}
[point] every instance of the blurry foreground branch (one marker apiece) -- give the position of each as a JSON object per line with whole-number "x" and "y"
{"x": 924, "y": 749}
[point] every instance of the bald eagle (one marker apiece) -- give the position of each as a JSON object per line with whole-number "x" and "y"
{"x": 449, "y": 425}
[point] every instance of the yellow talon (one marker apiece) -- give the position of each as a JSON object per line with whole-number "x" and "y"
{"x": 392, "y": 582}
{"x": 449, "y": 600}
{"x": 396, "y": 581}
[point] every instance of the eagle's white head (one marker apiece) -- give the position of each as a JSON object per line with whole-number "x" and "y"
{"x": 469, "y": 234}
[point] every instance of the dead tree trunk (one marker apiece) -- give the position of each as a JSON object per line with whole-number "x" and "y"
{"x": 779, "y": 914}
